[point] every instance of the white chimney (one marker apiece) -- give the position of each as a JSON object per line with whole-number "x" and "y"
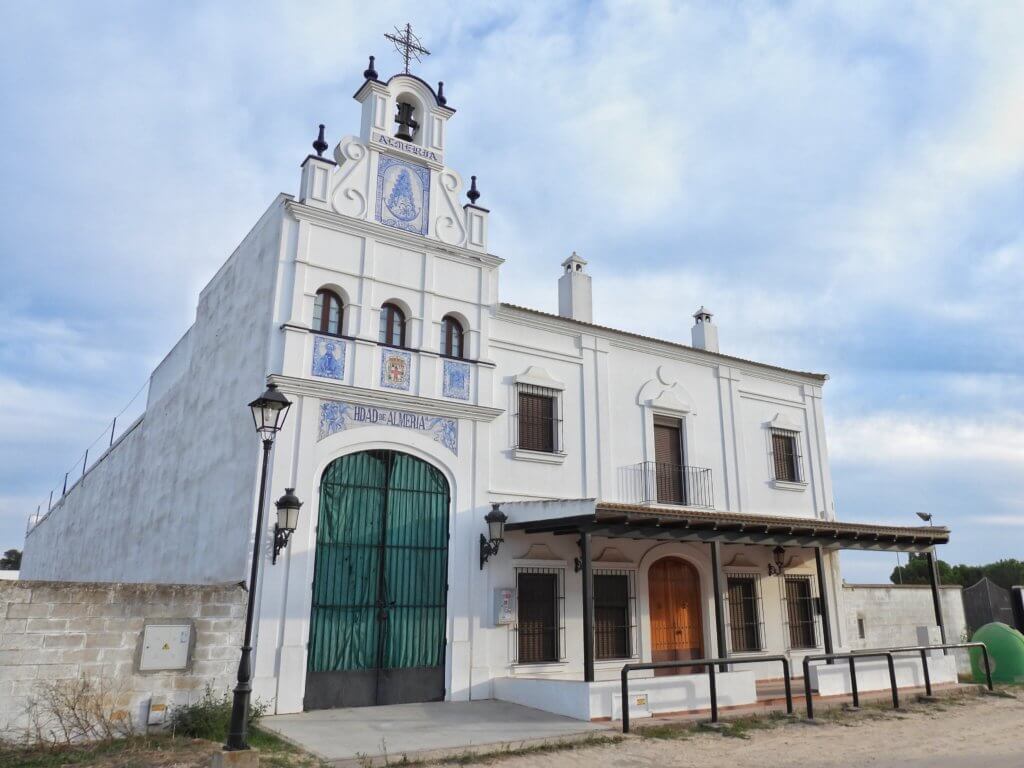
{"x": 574, "y": 295}
{"x": 704, "y": 332}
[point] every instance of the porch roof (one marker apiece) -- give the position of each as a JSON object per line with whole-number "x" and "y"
{"x": 633, "y": 521}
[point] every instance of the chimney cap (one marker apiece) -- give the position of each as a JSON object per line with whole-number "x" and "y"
{"x": 702, "y": 311}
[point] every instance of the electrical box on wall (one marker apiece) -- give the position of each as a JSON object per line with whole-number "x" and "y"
{"x": 504, "y": 606}
{"x": 165, "y": 647}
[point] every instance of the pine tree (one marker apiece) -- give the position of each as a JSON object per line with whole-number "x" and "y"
{"x": 400, "y": 201}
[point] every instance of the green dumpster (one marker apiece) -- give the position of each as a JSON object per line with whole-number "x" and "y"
{"x": 1005, "y": 652}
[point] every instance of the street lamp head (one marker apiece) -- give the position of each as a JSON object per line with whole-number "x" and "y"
{"x": 926, "y": 516}
{"x": 287, "y": 520}
{"x": 269, "y": 411}
{"x": 489, "y": 544}
{"x": 495, "y": 520}
{"x": 288, "y": 510}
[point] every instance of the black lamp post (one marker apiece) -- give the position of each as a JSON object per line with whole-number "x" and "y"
{"x": 268, "y": 413}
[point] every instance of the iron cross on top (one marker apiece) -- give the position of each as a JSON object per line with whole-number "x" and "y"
{"x": 407, "y": 44}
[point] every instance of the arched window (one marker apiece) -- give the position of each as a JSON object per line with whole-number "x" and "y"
{"x": 452, "y": 337}
{"x": 392, "y": 326}
{"x": 327, "y": 311}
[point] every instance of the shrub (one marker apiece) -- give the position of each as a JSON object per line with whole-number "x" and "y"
{"x": 209, "y": 717}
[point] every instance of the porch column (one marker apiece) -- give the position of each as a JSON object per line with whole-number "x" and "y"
{"x": 933, "y": 578}
{"x": 588, "y": 608}
{"x": 716, "y": 583}
{"x": 826, "y": 626}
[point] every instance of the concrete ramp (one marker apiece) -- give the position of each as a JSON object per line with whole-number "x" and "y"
{"x": 424, "y": 731}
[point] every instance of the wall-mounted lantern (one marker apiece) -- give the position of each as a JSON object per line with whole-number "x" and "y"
{"x": 775, "y": 568}
{"x": 489, "y": 544}
{"x": 287, "y": 520}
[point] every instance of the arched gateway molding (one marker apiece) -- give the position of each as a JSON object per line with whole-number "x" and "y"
{"x": 377, "y": 628}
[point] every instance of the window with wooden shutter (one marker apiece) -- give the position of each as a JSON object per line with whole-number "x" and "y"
{"x": 613, "y": 616}
{"x": 668, "y": 461}
{"x": 800, "y": 612}
{"x": 785, "y": 455}
{"x": 537, "y": 421}
{"x": 539, "y": 612}
{"x": 744, "y": 613}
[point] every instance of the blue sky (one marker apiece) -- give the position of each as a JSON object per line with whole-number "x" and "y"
{"x": 842, "y": 183}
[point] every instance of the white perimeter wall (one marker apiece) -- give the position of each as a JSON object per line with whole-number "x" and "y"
{"x": 171, "y": 502}
{"x": 893, "y": 612}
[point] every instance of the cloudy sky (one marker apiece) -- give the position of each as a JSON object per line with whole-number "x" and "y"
{"x": 842, "y": 183}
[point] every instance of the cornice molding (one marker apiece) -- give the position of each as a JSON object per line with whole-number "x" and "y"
{"x": 340, "y": 223}
{"x": 664, "y": 349}
{"x": 325, "y": 390}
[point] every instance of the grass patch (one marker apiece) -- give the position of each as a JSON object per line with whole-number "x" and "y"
{"x": 667, "y": 731}
{"x": 476, "y": 758}
{"x": 158, "y": 751}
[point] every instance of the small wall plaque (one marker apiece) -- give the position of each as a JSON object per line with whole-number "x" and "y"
{"x": 165, "y": 647}
{"x": 504, "y": 606}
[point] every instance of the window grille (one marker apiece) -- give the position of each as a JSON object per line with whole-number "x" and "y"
{"x": 800, "y": 613}
{"x": 615, "y": 624}
{"x": 787, "y": 460}
{"x": 538, "y": 419}
{"x": 743, "y": 600}
{"x": 539, "y": 631}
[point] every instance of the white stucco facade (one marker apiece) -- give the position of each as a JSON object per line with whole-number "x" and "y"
{"x": 170, "y": 502}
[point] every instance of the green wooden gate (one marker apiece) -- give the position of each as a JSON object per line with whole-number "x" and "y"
{"x": 377, "y": 629}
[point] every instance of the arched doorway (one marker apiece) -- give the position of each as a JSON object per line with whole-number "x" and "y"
{"x": 677, "y": 630}
{"x": 377, "y": 628}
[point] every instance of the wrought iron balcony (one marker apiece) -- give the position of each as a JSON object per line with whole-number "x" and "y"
{"x": 657, "y": 482}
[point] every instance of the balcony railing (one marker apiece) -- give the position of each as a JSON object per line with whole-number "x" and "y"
{"x": 655, "y": 481}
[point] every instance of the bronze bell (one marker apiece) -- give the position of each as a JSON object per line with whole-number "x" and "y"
{"x": 407, "y": 125}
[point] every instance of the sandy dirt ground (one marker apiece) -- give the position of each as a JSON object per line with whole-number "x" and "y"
{"x": 973, "y": 733}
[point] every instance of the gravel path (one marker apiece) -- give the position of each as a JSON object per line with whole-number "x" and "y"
{"x": 972, "y": 732}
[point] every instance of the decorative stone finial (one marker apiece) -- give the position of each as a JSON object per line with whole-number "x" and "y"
{"x": 370, "y": 73}
{"x": 474, "y": 193}
{"x": 320, "y": 144}
{"x": 440, "y": 93}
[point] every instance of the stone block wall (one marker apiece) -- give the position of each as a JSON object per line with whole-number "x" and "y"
{"x": 53, "y": 631}
{"x": 891, "y": 613}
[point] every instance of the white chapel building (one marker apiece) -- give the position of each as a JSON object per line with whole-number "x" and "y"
{"x": 661, "y": 501}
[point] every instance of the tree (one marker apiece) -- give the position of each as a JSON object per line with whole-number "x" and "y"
{"x": 11, "y": 561}
{"x": 1005, "y": 573}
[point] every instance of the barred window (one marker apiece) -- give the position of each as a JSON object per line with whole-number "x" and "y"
{"x": 786, "y": 455}
{"x": 540, "y": 615}
{"x": 538, "y": 421}
{"x": 327, "y": 312}
{"x": 800, "y": 613}
{"x": 614, "y": 613}
{"x": 744, "y": 613}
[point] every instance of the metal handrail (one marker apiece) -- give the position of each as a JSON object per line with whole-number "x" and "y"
{"x": 712, "y": 683}
{"x": 888, "y": 654}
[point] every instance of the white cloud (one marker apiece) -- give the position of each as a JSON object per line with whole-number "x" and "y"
{"x": 883, "y": 437}
{"x": 1000, "y": 520}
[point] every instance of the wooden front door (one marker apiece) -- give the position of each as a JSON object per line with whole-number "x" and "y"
{"x": 676, "y": 628}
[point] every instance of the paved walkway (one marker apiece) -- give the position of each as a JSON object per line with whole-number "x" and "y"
{"x": 347, "y": 736}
